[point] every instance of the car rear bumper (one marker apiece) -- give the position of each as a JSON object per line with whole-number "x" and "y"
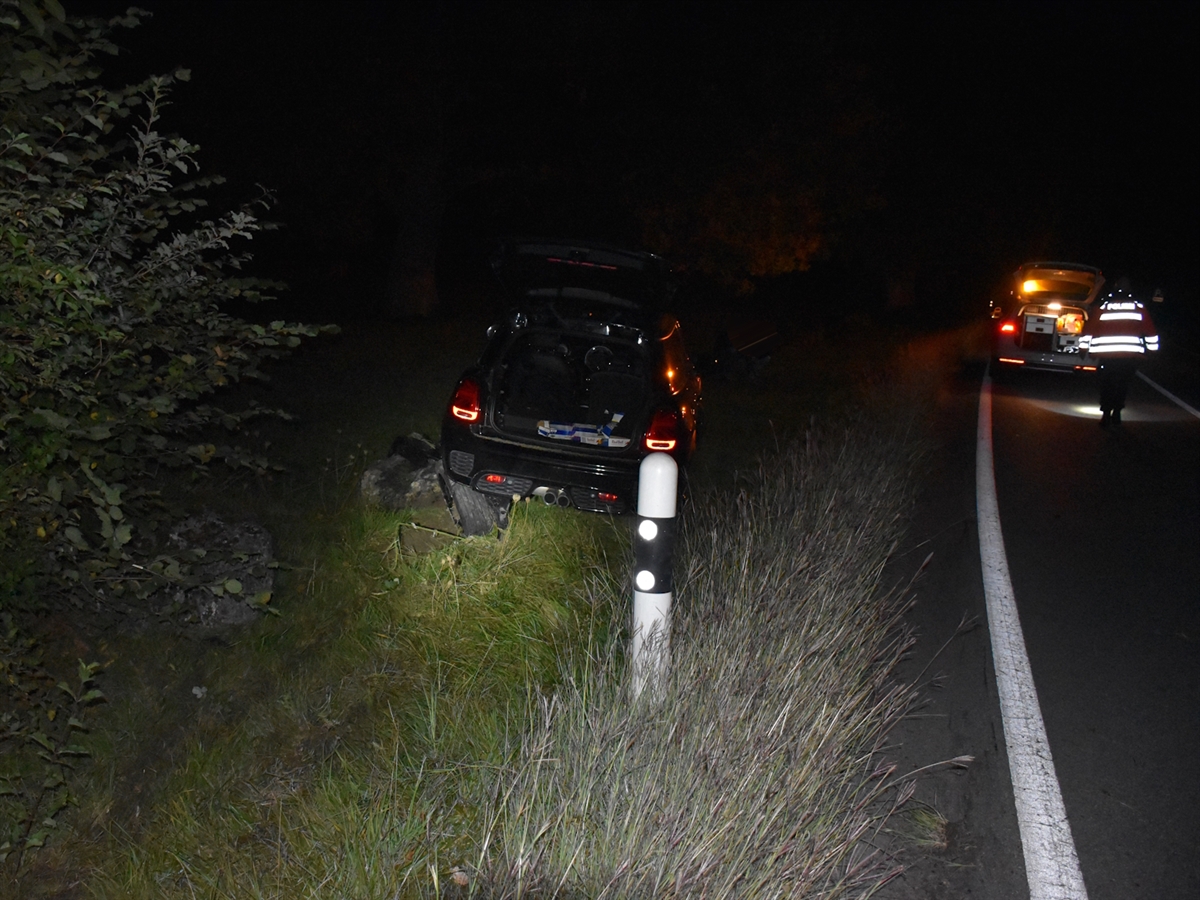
{"x": 1010, "y": 356}
{"x": 518, "y": 470}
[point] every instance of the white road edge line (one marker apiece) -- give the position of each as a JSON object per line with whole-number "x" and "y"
{"x": 1051, "y": 863}
{"x": 1162, "y": 390}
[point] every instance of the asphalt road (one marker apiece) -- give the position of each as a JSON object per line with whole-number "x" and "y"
{"x": 1102, "y": 532}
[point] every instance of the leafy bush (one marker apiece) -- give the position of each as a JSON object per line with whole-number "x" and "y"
{"x": 111, "y": 285}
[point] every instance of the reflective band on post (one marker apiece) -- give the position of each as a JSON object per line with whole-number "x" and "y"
{"x": 652, "y": 556}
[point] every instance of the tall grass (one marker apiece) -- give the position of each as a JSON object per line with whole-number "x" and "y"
{"x": 756, "y": 773}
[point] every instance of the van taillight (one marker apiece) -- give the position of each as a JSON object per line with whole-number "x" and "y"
{"x": 465, "y": 402}
{"x": 663, "y": 433}
{"x": 1008, "y": 328}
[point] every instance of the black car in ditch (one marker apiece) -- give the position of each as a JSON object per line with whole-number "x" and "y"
{"x": 584, "y": 377}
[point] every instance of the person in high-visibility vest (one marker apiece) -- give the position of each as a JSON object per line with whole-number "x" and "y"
{"x": 1118, "y": 334}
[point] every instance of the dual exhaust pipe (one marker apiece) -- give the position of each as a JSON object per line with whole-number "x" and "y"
{"x": 553, "y": 497}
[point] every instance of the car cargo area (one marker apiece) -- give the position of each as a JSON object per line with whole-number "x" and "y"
{"x": 562, "y": 388}
{"x": 1052, "y": 330}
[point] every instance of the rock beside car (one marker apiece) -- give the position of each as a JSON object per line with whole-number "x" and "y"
{"x": 409, "y": 478}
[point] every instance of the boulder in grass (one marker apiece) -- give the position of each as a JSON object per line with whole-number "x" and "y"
{"x": 386, "y": 482}
{"x": 409, "y": 478}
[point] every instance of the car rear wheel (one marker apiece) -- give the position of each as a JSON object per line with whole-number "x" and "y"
{"x": 476, "y": 513}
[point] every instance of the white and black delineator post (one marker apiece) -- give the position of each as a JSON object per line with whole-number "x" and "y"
{"x": 653, "y": 542}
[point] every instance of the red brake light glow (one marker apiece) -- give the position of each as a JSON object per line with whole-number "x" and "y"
{"x": 465, "y": 403}
{"x": 663, "y": 433}
{"x": 493, "y": 478}
{"x": 1008, "y": 327}
{"x": 605, "y": 497}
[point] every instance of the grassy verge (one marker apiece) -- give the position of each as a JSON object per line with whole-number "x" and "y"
{"x": 455, "y": 724}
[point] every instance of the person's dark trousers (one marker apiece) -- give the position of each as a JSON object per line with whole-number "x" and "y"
{"x": 1115, "y": 376}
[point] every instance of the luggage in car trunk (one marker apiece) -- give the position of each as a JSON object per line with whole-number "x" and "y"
{"x": 570, "y": 389}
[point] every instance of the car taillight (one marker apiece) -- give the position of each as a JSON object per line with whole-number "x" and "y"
{"x": 605, "y": 497}
{"x": 465, "y": 402}
{"x": 663, "y": 433}
{"x": 1008, "y": 327}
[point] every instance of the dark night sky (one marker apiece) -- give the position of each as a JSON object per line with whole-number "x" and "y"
{"x": 993, "y": 133}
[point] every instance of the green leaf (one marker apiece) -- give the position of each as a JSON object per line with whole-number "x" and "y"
{"x": 34, "y": 17}
{"x": 122, "y": 535}
{"x": 233, "y": 586}
{"x": 75, "y": 536}
{"x": 53, "y": 419}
